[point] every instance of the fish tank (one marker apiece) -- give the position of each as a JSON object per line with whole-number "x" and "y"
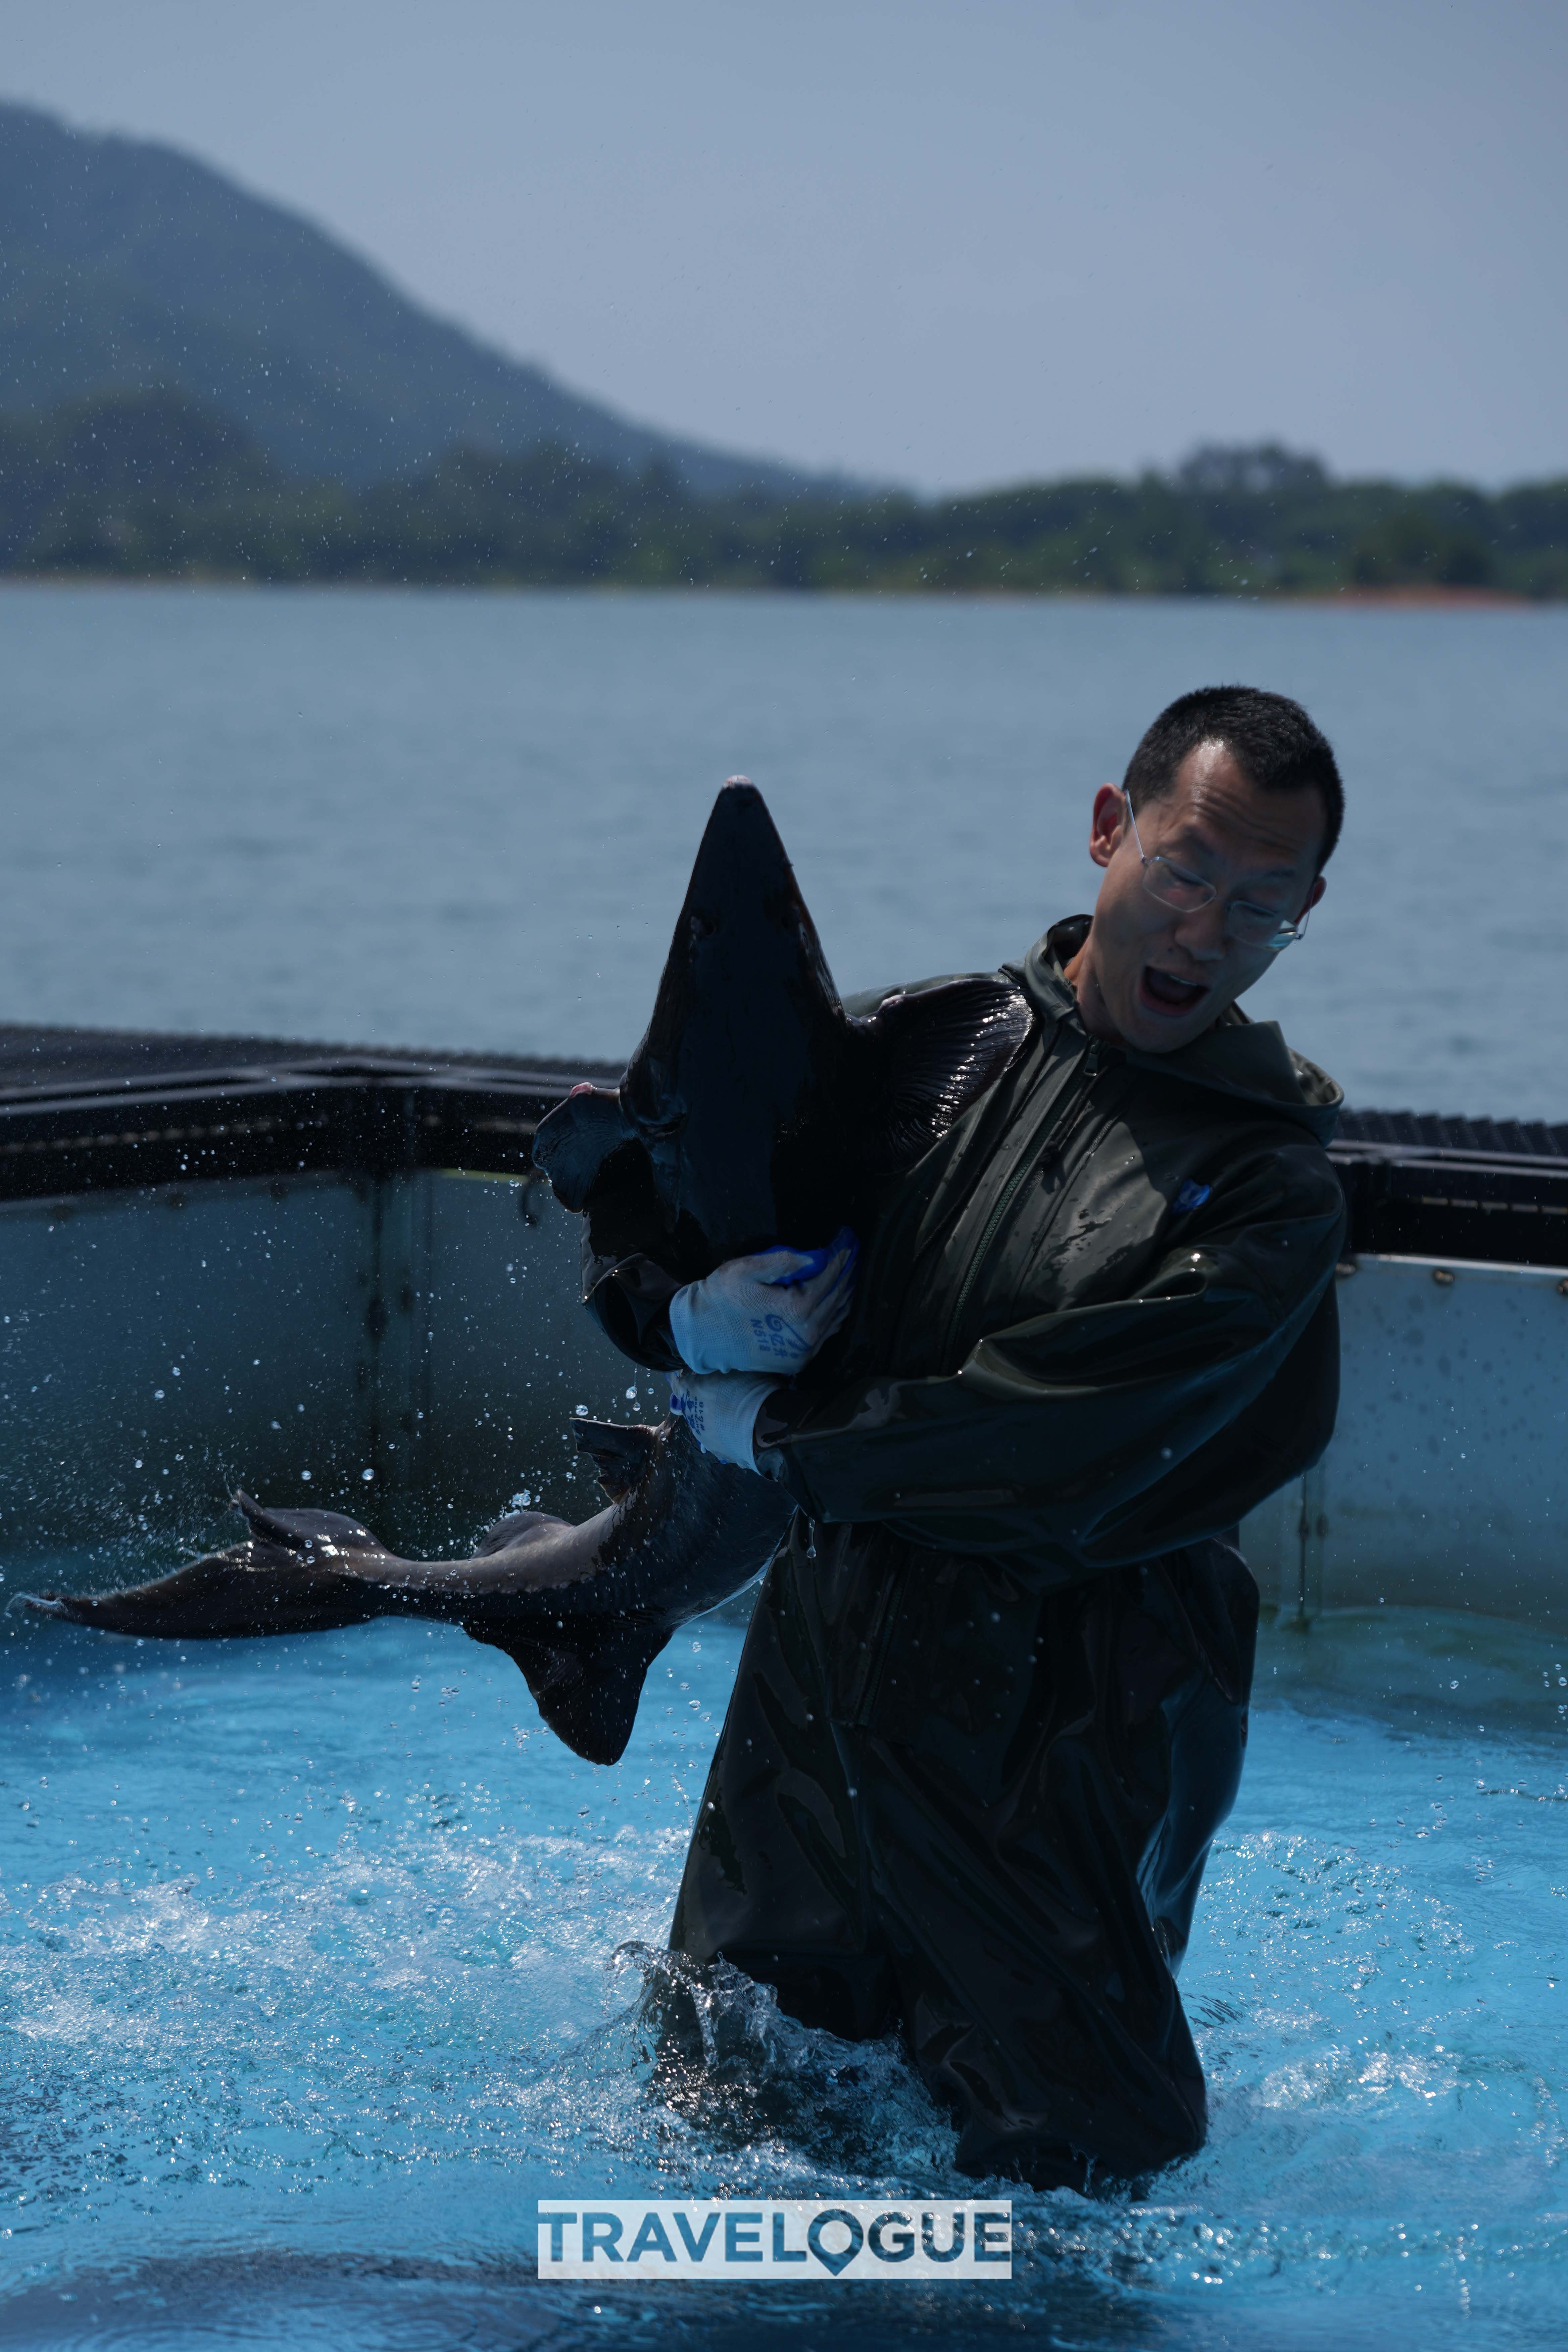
{"x": 328, "y": 1966}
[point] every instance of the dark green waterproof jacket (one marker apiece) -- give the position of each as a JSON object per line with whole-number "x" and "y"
{"x": 1097, "y": 1322}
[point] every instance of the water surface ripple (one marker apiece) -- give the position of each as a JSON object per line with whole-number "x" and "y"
{"x": 466, "y": 820}
{"x": 321, "y": 1961}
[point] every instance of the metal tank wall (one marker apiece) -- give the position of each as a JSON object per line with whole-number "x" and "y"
{"x": 1446, "y": 1482}
{"x": 161, "y": 1346}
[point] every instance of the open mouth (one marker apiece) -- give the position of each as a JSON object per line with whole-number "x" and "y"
{"x": 1163, "y": 992}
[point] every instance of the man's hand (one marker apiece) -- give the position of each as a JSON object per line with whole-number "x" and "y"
{"x": 721, "y": 1411}
{"x": 770, "y": 1313}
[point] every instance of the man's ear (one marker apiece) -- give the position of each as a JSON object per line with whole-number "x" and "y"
{"x": 1315, "y": 893}
{"x": 1105, "y": 823}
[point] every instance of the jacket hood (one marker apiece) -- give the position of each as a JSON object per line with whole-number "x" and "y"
{"x": 1248, "y": 1060}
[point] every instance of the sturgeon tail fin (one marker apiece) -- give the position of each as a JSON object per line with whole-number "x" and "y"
{"x": 251, "y": 1590}
{"x": 280, "y": 1579}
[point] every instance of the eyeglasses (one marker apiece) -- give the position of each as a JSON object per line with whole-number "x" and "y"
{"x": 1250, "y": 926}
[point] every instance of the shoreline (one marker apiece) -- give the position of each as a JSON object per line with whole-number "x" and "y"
{"x": 1410, "y": 599}
{"x": 1424, "y": 599}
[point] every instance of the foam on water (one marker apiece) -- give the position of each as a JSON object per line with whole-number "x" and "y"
{"x": 323, "y": 1962}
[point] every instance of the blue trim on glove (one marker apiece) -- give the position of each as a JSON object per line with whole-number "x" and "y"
{"x": 769, "y": 1312}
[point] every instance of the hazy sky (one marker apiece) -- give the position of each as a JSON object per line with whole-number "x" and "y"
{"x": 948, "y": 243}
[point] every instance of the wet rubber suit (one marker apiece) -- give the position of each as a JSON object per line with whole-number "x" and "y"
{"x": 992, "y": 1705}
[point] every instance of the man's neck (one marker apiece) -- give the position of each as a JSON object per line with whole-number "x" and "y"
{"x": 1084, "y": 981}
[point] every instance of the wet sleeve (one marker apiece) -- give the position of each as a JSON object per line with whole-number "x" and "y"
{"x": 1108, "y": 1433}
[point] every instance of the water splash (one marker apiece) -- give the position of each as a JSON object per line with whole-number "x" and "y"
{"x": 321, "y": 1961}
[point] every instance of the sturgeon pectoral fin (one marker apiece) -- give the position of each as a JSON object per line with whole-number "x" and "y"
{"x": 585, "y": 1674}
{"x": 938, "y": 1049}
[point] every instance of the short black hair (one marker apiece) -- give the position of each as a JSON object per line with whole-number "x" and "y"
{"x": 1271, "y": 737}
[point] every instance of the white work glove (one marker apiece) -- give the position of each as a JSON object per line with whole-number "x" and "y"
{"x": 770, "y": 1313}
{"x": 721, "y": 1411}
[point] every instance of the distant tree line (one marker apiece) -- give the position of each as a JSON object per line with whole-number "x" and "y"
{"x": 146, "y": 486}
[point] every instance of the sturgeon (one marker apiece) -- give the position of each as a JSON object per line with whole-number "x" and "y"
{"x": 581, "y": 1609}
{"x": 756, "y": 1109}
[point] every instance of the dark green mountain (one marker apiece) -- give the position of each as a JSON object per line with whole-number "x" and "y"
{"x": 125, "y": 266}
{"x": 148, "y": 486}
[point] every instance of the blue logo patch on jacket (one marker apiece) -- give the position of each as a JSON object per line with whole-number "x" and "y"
{"x": 1191, "y": 1196}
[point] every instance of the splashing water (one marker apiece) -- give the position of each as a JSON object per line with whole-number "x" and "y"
{"x": 323, "y": 1962}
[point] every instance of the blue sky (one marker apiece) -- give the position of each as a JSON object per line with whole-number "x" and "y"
{"x": 945, "y": 243}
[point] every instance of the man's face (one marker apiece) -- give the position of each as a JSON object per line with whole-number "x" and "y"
{"x": 1158, "y": 978}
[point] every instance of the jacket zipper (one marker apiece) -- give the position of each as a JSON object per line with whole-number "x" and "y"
{"x": 1056, "y": 1123}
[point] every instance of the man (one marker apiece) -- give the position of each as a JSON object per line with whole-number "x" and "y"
{"x": 993, "y": 1702}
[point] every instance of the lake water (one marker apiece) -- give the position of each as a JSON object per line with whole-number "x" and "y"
{"x": 466, "y": 820}
{"x": 309, "y": 1983}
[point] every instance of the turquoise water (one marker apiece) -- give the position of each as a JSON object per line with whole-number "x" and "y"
{"x": 466, "y": 820}
{"x": 321, "y": 1961}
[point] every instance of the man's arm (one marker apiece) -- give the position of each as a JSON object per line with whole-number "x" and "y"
{"x": 1107, "y": 1433}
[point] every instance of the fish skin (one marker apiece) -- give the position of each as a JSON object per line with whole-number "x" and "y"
{"x": 581, "y": 1609}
